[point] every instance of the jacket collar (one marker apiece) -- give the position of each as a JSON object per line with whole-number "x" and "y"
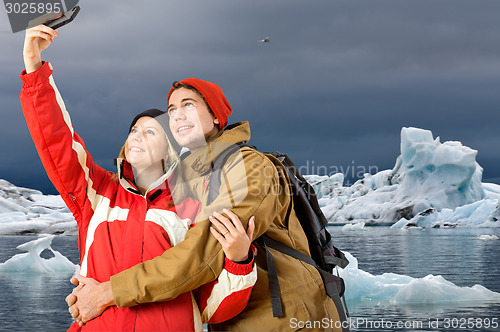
{"x": 126, "y": 177}
{"x": 201, "y": 160}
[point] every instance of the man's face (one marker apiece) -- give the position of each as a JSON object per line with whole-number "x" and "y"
{"x": 191, "y": 122}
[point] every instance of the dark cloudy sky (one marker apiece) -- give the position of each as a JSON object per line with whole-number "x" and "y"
{"x": 333, "y": 87}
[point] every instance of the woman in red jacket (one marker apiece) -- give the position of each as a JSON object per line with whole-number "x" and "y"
{"x": 128, "y": 217}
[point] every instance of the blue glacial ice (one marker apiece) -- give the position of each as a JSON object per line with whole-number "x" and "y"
{"x": 32, "y": 262}
{"x": 360, "y": 226}
{"x": 362, "y": 286}
{"x": 28, "y": 211}
{"x": 432, "y": 184}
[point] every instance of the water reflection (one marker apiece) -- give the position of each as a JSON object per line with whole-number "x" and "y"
{"x": 36, "y": 302}
{"x": 456, "y": 254}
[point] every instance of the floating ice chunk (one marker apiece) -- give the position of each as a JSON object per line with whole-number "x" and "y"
{"x": 354, "y": 227}
{"x": 32, "y": 262}
{"x": 436, "y": 289}
{"x": 363, "y": 286}
{"x": 487, "y": 237}
{"x": 399, "y": 289}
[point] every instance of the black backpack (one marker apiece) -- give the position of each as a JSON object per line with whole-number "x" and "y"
{"x": 324, "y": 255}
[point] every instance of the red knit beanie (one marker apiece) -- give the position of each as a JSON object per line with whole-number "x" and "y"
{"x": 213, "y": 96}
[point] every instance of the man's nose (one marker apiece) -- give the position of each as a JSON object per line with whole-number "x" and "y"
{"x": 180, "y": 114}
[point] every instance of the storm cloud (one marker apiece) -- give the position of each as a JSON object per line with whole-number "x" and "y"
{"x": 335, "y": 85}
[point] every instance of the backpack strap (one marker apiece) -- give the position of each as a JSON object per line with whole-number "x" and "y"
{"x": 274, "y": 286}
{"x": 338, "y": 260}
{"x": 334, "y": 285}
{"x": 218, "y": 165}
{"x": 307, "y": 207}
{"x": 288, "y": 250}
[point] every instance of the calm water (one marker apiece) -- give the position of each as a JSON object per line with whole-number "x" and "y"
{"x": 30, "y": 302}
{"x": 36, "y": 302}
{"x": 456, "y": 254}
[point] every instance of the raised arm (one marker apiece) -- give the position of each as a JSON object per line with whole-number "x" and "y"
{"x": 37, "y": 40}
{"x": 62, "y": 152}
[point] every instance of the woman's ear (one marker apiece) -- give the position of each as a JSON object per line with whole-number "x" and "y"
{"x": 216, "y": 121}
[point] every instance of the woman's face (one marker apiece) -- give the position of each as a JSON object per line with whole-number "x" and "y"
{"x": 146, "y": 144}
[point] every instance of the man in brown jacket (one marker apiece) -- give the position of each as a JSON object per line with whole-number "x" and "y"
{"x": 250, "y": 185}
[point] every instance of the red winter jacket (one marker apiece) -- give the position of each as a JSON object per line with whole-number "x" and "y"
{"x": 118, "y": 226}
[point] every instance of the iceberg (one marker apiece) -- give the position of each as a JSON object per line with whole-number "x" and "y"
{"x": 362, "y": 286}
{"x": 487, "y": 237}
{"x": 28, "y": 211}
{"x": 354, "y": 227}
{"x": 432, "y": 184}
{"x": 32, "y": 262}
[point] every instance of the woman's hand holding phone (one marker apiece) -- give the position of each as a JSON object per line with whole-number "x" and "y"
{"x": 37, "y": 39}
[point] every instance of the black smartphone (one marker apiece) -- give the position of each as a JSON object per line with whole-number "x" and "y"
{"x": 66, "y": 18}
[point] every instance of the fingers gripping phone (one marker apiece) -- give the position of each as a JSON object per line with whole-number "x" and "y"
{"x": 66, "y": 18}
{"x": 25, "y": 14}
{"x": 55, "y": 20}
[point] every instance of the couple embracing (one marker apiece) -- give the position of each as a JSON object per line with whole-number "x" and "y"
{"x": 158, "y": 251}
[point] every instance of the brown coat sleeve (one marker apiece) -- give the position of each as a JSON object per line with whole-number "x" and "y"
{"x": 254, "y": 188}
